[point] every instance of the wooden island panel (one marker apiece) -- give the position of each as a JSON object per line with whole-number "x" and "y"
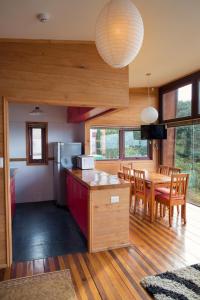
{"x": 109, "y": 223}
{"x": 89, "y": 195}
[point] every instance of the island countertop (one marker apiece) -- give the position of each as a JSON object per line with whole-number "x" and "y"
{"x": 97, "y": 179}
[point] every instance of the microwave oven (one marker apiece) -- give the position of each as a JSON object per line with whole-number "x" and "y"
{"x": 85, "y": 162}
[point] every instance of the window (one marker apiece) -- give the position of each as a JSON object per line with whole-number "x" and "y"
{"x": 177, "y": 103}
{"x": 199, "y": 96}
{"x": 118, "y": 143}
{"x": 36, "y": 143}
{"x": 134, "y": 146}
{"x": 104, "y": 143}
{"x": 180, "y": 100}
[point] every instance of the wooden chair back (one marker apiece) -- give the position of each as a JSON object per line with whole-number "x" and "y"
{"x": 139, "y": 180}
{"x": 179, "y": 186}
{"x": 127, "y": 165}
{"x": 126, "y": 172}
{"x": 163, "y": 170}
{"x": 173, "y": 171}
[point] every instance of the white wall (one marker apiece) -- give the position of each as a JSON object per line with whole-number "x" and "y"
{"x": 35, "y": 183}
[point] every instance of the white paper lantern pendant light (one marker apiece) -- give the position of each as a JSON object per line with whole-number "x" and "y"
{"x": 149, "y": 114}
{"x": 119, "y": 33}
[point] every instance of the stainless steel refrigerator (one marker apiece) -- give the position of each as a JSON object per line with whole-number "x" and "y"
{"x": 64, "y": 158}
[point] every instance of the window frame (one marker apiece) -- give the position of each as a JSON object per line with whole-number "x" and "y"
{"x": 192, "y": 79}
{"x": 149, "y": 147}
{"x": 29, "y": 158}
{"x": 122, "y": 157}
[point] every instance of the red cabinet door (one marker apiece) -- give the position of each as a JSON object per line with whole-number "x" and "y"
{"x": 12, "y": 196}
{"x": 84, "y": 210}
{"x": 69, "y": 193}
{"x": 77, "y": 201}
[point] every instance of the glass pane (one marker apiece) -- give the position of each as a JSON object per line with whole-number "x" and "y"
{"x": 177, "y": 103}
{"x": 182, "y": 149}
{"x": 199, "y": 96}
{"x": 195, "y": 177}
{"x": 37, "y": 143}
{"x": 104, "y": 143}
{"x": 134, "y": 146}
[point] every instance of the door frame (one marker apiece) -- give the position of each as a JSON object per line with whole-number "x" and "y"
{"x": 7, "y": 196}
{"x": 6, "y": 155}
{"x": 6, "y": 171}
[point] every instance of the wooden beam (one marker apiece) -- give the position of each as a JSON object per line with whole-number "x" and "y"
{"x": 68, "y": 74}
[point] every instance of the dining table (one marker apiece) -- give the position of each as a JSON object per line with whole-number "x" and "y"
{"x": 153, "y": 181}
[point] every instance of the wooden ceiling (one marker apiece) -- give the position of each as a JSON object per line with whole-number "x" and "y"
{"x": 171, "y": 47}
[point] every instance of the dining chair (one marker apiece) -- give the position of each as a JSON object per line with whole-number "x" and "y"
{"x": 174, "y": 196}
{"x": 163, "y": 170}
{"x": 121, "y": 166}
{"x": 173, "y": 170}
{"x": 128, "y": 165}
{"x": 127, "y": 173}
{"x": 140, "y": 191}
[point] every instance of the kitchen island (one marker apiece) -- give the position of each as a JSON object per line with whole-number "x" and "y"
{"x": 99, "y": 202}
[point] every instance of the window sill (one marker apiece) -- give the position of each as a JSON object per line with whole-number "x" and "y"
{"x": 125, "y": 159}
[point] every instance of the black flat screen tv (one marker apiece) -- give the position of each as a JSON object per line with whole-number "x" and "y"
{"x": 153, "y": 132}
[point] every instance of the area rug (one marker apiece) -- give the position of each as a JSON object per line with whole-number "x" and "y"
{"x": 47, "y": 286}
{"x": 183, "y": 284}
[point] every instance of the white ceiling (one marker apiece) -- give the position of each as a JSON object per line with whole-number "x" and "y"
{"x": 171, "y": 45}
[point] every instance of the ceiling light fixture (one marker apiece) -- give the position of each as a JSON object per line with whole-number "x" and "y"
{"x": 36, "y": 112}
{"x": 119, "y": 33}
{"x": 149, "y": 114}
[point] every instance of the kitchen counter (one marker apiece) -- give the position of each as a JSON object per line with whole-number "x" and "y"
{"x": 95, "y": 198}
{"x": 96, "y": 179}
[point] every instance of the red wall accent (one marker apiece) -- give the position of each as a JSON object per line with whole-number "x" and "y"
{"x": 81, "y": 114}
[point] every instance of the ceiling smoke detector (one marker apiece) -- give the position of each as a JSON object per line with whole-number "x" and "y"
{"x": 43, "y": 17}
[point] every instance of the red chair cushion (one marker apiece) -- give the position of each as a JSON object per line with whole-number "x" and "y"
{"x": 163, "y": 190}
{"x": 166, "y": 196}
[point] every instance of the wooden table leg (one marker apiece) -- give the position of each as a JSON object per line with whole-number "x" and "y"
{"x": 152, "y": 202}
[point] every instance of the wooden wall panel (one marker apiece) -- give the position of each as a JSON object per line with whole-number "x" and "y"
{"x": 3, "y": 255}
{"x": 129, "y": 117}
{"x": 71, "y": 74}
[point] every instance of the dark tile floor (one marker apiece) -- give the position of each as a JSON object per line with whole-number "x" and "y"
{"x": 42, "y": 229}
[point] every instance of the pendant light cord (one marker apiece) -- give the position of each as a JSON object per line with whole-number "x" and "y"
{"x": 148, "y": 88}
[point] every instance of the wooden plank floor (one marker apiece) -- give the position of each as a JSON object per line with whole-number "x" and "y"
{"x": 116, "y": 274}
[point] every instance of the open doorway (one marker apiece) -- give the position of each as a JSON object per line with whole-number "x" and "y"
{"x": 41, "y": 224}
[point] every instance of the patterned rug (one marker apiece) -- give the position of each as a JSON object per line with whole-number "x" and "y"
{"x": 48, "y": 286}
{"x": 182, "y": 284}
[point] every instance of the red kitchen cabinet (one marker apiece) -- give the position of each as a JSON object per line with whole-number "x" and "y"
{"x": 83, "y": 216}
{"x": 12, "y": 196}
{"x": 77, "y": 202}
